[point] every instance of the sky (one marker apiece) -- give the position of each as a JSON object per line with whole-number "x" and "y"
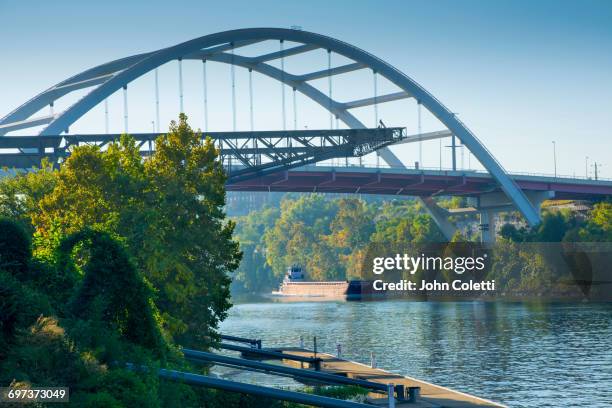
{"x": 519, "y": 74}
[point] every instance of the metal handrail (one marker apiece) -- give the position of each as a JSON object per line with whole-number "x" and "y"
{"x": 477, "y": 171}
{"x": 268, "y": 392}
{"x": 272, "y": 354}
{"x": 202, "y": 356}
{"x": 253, "y": 342}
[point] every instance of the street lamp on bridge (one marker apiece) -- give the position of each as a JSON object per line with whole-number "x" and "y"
{"x": 586, "y": 167}
{"x": 555, "y": 156}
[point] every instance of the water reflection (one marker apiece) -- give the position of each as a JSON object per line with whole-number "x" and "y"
{"x": 521, "y": 354}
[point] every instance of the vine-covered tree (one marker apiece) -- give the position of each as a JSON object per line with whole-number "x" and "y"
{"x": 112, "y": 290}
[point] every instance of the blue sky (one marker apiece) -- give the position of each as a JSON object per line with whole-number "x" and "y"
{"x": 519, "y": 73}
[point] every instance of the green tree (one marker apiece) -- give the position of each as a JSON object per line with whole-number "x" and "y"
{"x": 299, "y": 236}
{"x": 194, "y": 253}
{"x": 405, "y": 222}
{"x": 20, "y": 196}
{"x": 101, "y": 190}
{"x": 599, "y": 224}
{"x": 553, "y": 227}
{"x": 353, "y": 224}
{"x": 511, "y": 233}
{"x": 254, "y": 275}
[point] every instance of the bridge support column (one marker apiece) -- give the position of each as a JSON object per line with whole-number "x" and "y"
{"x": 490, "y": 204}
{"x": 439, "y": 214}
{"x": 440, "y": 217}
{"x": 487, "y": 226}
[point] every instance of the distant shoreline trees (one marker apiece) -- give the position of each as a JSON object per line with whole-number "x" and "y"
{"x": 328, "y": 237}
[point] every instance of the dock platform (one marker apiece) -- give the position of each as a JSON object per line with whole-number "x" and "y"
{"x": 431, "y": 395}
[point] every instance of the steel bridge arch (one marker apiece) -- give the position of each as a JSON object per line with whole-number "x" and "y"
{"x": 117, "y": 74}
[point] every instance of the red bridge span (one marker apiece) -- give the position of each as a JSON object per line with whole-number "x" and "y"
{"x": 417, "y": 182}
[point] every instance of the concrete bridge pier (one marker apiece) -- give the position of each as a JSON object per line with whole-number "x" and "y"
{"x": 440, "y": 216}
{"x": 487, "y": 225}
{"x": 491, "y": 204}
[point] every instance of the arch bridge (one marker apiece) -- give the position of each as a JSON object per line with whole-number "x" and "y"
{"x": 256, "y": 154}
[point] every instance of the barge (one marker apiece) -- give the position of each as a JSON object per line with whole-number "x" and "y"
{"x": 294, "y": 284}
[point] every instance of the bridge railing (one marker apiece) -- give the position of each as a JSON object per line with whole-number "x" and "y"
{"x": 461, "y": 170}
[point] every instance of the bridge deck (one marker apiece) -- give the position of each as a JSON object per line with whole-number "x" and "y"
{"x": 431, "y": 395}
{"x": 415, "y": 182}
{"x": 404, "y": 182}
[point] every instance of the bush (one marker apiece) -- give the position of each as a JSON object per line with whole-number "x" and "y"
{"x": 43, "y": 355}
{"x": 98, "y": 400}
{"x": 19, "y": 308}
{"x": 15, "y": 249}
{"x": 113, "y": 291}
{"x": 128, "y": 388}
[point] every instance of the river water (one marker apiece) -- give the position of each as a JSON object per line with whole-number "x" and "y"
{"x": 519, "y": 354}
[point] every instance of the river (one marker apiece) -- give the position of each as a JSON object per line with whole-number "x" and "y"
{"x": 519, "y": 354}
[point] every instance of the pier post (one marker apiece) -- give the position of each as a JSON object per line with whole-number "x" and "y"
{"x": 391, "y": 395}
{"x": 413, "y": 393}
{"x": 400, "y": 391}
{"x": 372, "y": 359}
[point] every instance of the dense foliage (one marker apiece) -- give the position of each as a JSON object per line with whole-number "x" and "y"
{"x": 167, "y": 211}
{"x": 41, "y": 345}
{"x": 113, "y": 290}
{"x": 566, "y": 226}
{"x": 111, "y": 260}
{"x": 543, "y": 262}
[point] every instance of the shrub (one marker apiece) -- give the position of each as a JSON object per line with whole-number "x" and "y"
{"x": 15, "y": 249}
{"x": 19, "y": 308}
{"x": 112, "y": 290}
{"x": 94, "y": 400}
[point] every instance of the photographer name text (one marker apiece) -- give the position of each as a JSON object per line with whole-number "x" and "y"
{"x": 433, "y": 286}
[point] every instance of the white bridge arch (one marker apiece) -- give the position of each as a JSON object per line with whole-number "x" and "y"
{"x": 107, "y": 78}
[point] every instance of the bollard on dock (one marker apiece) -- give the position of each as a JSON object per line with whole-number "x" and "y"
{"x": 391, "y": 395}
{"x": 413, "y": 394}
{"x": 400, "y": 390}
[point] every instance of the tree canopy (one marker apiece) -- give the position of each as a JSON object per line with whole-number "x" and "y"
{"x": 167, "y": 211}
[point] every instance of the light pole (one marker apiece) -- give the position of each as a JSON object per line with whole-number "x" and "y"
{"x": 586, "y": 167}
{"x": 555, "y": 156}
{"x": 596, "y": 166}
{"x": 150, "y": 143}
{"x": 440, "y": 153}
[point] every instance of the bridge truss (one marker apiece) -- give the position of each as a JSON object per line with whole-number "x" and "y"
{"x": 245, "y": 155}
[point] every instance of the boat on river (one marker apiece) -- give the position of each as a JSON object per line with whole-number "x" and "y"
{"x": 295, "y": 284}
